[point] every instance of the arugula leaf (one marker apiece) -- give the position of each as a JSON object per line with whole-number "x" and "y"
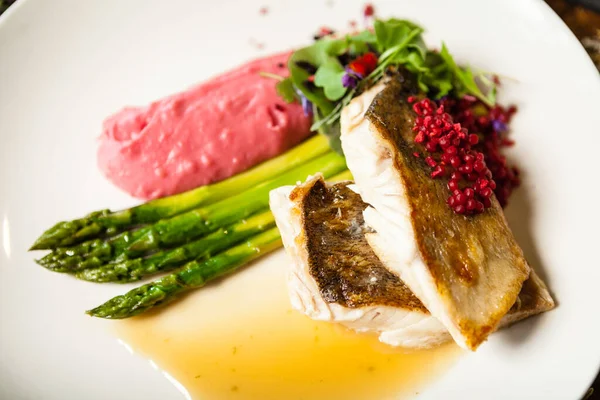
{"x": 386, "y": 59}
{"x": 435, "y": 76}
{"x": 333, "y": 134}
{"x": 440, "y": 84}
{"x": 315, "y": 55}
{"x": 411, "y": 60}
{"x": 285, "y": 89}
{"x": 466, "y": 79}
{"x": 365, "y": 36}
{"x": 322, "y": 52}
{"x": 329, "y": 77}
{"x": 418, "y": 45}
{"x": 392, "y": 32}
{"x": 357, "y": 48}
{"x": 470, "y": 81}
{"x": 359, "y": 43}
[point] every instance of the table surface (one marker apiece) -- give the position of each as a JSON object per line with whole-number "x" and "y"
{"x": 585, "y": 24}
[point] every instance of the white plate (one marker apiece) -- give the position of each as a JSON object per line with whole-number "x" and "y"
{"x": 64, "y": 65}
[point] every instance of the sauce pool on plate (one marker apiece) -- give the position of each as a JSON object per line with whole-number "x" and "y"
{"x": 240, "y": 339}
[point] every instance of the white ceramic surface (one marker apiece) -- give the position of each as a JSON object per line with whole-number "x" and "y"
{"x": 66, "y": 64}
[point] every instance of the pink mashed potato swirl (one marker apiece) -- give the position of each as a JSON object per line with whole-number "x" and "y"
{"x": 202, "y": 135}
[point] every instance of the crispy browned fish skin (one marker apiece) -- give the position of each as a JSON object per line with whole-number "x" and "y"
{"x": 459, "y": 251}
{"x": 342, "y": 263}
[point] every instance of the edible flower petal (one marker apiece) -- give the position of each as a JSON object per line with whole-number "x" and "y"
{"x": 499, "y": 126}
{"x": 307, "y": 105}
{"x": 364, "y": 64}
{"x": 349, "y": 80}
{"x": 358, "y": 69}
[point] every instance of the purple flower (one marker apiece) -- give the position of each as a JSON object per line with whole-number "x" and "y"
{"x": 350, "y": 78}
{"x": 499, "y": 126}
{"x": 307, "y": 106}
{"x": 349, "y": 81}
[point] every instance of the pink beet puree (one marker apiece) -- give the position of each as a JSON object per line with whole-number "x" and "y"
{"x": 205, "y": 134}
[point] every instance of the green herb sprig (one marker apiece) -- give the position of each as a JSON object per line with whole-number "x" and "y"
{"x": 397, "y": 43}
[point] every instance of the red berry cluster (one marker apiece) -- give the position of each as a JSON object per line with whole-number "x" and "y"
{"x": 491, "y": 123}
{"x": 451, "y": 152}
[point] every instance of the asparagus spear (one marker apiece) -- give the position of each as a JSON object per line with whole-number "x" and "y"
{"x": 194, "y": 274}
{"x": 186, "y": 226}
{"x": 162, "y": 261}
{"x": 65, "y": 233}
{"x": 105, "y": 222}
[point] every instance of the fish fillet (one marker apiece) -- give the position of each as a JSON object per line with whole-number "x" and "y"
{"x": 335, "y": 276}
{"x": 467, "y": 270}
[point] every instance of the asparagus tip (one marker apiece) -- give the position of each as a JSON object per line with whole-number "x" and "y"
{"x": 40, "y": 244}
{"x": 101, "y": 312}
{"x": 94, "y": 312}
{"x": 40, "y": 261}
{"x": 134, "y": 302}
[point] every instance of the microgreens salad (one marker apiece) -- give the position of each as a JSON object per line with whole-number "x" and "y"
{"x": 325, "y": 76}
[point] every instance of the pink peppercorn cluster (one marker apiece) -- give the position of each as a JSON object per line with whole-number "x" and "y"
{"x": 450, "y": 148}
{"x": 491, "y": 123}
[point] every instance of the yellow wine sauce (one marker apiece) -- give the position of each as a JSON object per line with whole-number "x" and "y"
{"x": 240, "y": 339}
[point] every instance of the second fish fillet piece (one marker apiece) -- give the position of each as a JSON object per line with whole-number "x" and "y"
{"x": 467, "y": 270}
{"x": 333, "y": 273}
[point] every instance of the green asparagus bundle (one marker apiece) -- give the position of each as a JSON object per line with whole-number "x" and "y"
{"x": 105, "y": 222}
{"x": 198, "y": 250}
{"x": 193, "y": 275}
{"x": 186, "y": 226}
{"x": 163, "y": 261}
